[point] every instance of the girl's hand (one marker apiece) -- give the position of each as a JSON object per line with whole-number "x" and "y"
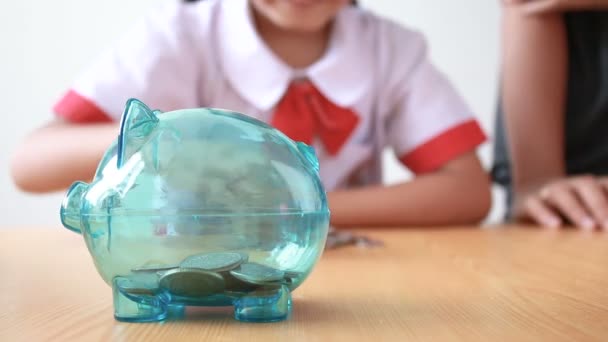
{"x": 550, "y": 6}
{"x": 581, "y": 201}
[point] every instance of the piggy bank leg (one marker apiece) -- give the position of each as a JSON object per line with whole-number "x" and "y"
{"x": 140, "y": 307}
{"x": 270, "y": 304}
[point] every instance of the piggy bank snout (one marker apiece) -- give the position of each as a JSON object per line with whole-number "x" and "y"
{"x": 70, "y": 208}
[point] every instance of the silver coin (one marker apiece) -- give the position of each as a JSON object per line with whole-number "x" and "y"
{"x": 139, "y": 284}
{"x": 265, "y": 291}
{"x": 244, "y": 256}
{"x": 192, "y": 282}
{"x": 237, "y": 294}
{"x": 257, "y": 274}
{"x": 154, "y": 268}
{"x": 213, "y": 262}
{"x": 292, "y": 276}
{"x": 234, "y": 284}
{"x": 337, "y": 239}
{"x": 368, "y": 243}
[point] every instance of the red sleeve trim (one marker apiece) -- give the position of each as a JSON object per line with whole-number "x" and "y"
{"x": 76, "y": 108}
{"x": 441, "y": 149}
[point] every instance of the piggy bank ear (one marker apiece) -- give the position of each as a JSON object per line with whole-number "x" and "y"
{"x": 137, "y": 122}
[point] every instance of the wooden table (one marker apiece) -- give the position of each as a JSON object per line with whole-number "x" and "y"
{"x": 507, "y": 284}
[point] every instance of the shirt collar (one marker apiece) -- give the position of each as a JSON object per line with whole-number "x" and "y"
{"x": 343, "y": 74}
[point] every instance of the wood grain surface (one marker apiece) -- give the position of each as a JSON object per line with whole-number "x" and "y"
{"x": 467, "y": 284}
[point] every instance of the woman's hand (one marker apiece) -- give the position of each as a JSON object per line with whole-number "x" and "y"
{"x": 548, "y": 6}
{"x": 581, "y": 201}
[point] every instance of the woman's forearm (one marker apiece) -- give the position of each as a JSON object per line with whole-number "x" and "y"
{"x": 533, "y": 92}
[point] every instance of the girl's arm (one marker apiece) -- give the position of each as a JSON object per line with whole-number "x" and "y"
{"x": 458, "y": 193}
{"x": 54, "y": 156}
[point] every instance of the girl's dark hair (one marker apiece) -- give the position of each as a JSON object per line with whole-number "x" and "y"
{"x": 354, "y": 2}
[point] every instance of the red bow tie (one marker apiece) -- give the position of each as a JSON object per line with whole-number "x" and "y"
{"x": 304, "y": 113}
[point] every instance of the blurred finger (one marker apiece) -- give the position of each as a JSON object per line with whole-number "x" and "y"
{"x": 565, "y": 200}
{"x": 542, "y": 6}
{"x": 513, "y": 2}
{"x": 604, "y": 182}
{"x": 540, "y": 213}
{"x": 594, "y": 199}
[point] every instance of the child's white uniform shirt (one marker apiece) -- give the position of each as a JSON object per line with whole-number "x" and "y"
{"x": 208, "y": 54}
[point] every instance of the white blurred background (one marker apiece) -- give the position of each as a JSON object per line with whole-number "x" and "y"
{"x": 45, "y": 44}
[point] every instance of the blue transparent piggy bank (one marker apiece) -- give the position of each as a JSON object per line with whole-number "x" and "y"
{"x": 201, "y": 207}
